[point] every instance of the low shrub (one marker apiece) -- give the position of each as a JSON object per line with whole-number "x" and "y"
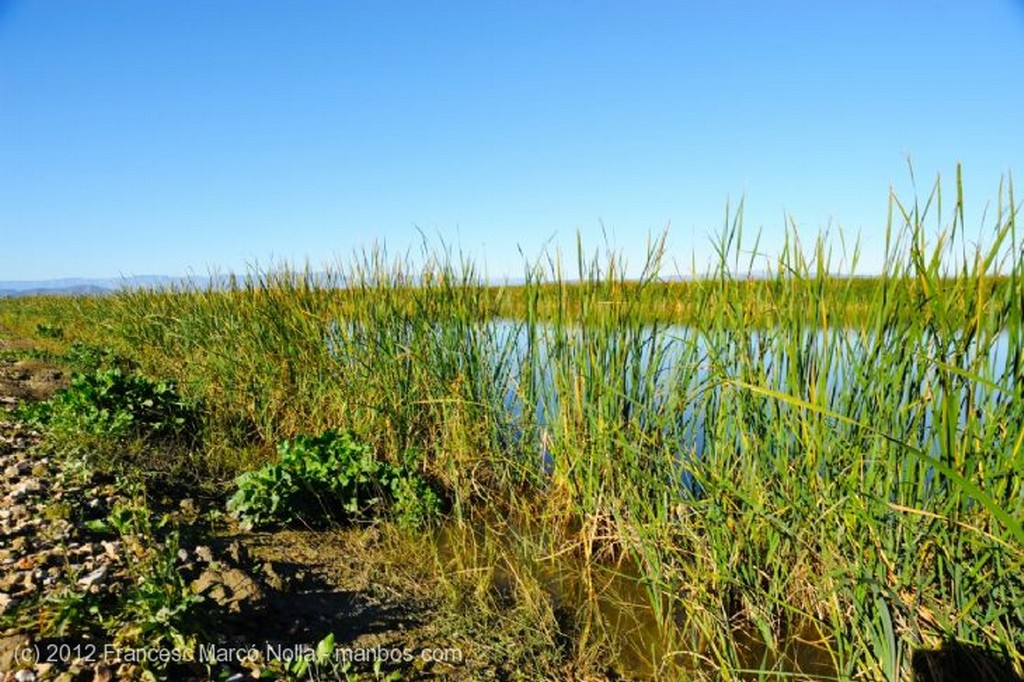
{"x": 88, "y": 358}
{"x": 114, "y": 405}
{"x": 332, "y": 477}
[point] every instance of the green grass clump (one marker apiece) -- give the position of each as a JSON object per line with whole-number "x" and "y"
{"x": 331, "y": 477}
{"x": 50, "y": 331}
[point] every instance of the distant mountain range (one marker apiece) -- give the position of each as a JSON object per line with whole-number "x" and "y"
{"x": 82, "y": 286}
{"x": 79, "y": 286}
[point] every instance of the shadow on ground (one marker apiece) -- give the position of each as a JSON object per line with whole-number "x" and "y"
{"x": 958, "y": 662}
{"x": 268, "y": 600}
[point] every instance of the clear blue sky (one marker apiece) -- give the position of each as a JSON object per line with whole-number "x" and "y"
{"x": 168, "y": 137}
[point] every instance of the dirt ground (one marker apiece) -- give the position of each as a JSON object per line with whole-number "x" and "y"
{"x": 27, "y": 379}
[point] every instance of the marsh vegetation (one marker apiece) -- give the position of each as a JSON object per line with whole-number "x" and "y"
{"x": 777, "y": 466}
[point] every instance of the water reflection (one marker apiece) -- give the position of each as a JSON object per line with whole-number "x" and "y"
{"x": 672, "y": 379}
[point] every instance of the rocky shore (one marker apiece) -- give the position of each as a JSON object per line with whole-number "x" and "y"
{"x": 59, "y": 558}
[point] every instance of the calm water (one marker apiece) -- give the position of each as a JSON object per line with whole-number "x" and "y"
{"x": 667, "y": 375}
{"x": 685, "y": 367}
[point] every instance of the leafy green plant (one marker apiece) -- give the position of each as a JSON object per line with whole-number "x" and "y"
{"x": 331, "y": 477}
{"x": 160, "y": 608}
{"x": 50, "y": 331}
{"x": 153, "y": 606}
{"x": 17, "y": 354}
{"x": 414, "y": 502}
{"x": 86, "y": 357}
{"x": 115, "y": 405}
